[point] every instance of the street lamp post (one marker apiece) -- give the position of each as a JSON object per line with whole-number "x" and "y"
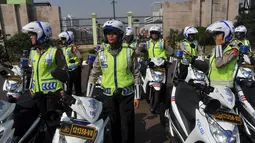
{"x": 113, "y": 6}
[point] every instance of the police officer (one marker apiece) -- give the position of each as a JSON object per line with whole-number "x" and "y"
{"x": 224, "y": 56}
{"x": 240, "y": 36}
{"x": 73, "y": 60}
{"x": 240, "y": 39}
{"x": 120, "y": 81}
{"x": 49, "y": 70}
{"x": 155, "y": 47}
{"x": 191, "y": 49}
{"x": 129, "y": 39}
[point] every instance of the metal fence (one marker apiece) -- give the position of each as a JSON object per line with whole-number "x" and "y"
{"x": 82, "y": 28}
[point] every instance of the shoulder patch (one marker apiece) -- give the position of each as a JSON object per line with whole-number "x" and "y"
{"x": 99, "y": 48}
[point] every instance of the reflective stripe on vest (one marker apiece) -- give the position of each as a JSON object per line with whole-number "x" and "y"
{"x": 42, "y": 67}
{"x": 116, "y": 72}
{"x": 223, "y": 75}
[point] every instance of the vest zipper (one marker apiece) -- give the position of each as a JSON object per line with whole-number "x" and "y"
{"x": 37, "y": 70}
{"x": 115, "y": 72}
{"x": 153, "y": 49}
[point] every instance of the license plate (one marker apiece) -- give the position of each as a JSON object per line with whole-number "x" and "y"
{"x": 77, "y": 130}
{"x": 228, "y": 117}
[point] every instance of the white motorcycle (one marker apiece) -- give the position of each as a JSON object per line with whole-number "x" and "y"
{"x": 153, "y": 81}
{"x": 85, "y": 123}
{"x": 13, "y": 84}
{"x": 244, "y": 85}
{"x": 6, "y": 122}
{"x": 201, "y": 113}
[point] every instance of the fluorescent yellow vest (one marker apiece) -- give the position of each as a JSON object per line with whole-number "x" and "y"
{"x": 132, "y": 45}
{"x": 42, "y": 67}
{"x": 116, "y": 71}
{"x": 224, "y": 75}
{"x": 69, "y": 55}
{"x": 156, "y": 50}
{"x": 187, "y": 59}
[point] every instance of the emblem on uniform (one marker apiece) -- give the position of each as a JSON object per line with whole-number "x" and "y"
{"x": 103, "y": 61}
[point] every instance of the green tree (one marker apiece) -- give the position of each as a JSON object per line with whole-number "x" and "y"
{"x": 174, "y": 37}
{"x": 16, "y": 44}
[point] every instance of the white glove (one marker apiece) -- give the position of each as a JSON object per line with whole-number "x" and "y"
{"x": 90, "y": 88}
{"x": 137, "y": 92}
{"x": 218, "y": 51}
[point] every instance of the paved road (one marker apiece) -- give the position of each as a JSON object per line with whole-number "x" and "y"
{"x": 148, "y": 128}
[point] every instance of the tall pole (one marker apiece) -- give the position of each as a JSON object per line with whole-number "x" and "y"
{"x": 113, "y": 5}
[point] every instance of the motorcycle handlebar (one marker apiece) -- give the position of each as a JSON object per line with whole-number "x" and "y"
{"x": 204, "y": 88}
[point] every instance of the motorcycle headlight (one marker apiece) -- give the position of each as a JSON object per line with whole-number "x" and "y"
{"x": 199, "y": 75}
{"x": 157, "y": 76}
{"x": 220, "y": 135}
{"x": 12, "y": 86}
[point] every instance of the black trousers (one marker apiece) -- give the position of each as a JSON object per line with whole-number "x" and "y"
{"x": 75, "y": 79}
{"x": 120, "y": 109}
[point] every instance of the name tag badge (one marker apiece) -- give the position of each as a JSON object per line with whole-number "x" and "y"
{"x": 103, "y": 60}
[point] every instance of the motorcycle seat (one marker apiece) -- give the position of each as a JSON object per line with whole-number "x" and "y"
{"x": 187, "y": 100}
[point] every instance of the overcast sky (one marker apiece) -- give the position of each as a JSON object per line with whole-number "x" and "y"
{"x": 103, "y": 8}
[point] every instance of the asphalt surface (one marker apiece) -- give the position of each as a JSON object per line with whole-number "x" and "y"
{"x": 147, "y": 126}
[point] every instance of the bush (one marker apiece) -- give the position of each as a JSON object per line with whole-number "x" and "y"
{"x": 16, "y": 44}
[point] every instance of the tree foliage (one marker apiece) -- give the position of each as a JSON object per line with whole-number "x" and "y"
{"x": 16, "y": 44}
{"x": 175, "y": 36}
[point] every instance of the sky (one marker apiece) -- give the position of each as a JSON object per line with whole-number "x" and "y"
{"x": 103, "y": 8}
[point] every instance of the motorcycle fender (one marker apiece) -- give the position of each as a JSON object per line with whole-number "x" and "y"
{"x": 4, "y": 85}
{"x": 156, "y": 85}
{"x": 201, "y": 132}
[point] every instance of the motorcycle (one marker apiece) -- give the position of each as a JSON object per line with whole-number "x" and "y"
{"x": 199, "y": 112}
{"x": 244, "y": 83}
{"x": 153, "y": 80}
{"x": 86, "y": 123}
{"x": 16, "y": 77}
{"x": 6, "y": 122}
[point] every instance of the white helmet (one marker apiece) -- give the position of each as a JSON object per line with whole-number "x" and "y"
{"x": 189, "y": 30}
{"x": 129, "y": 31}
{"x": 68, "y": 35}
{"x": 114, "y": 25}
{"x": 42, "y": 29}
{"x": 241, "y": 28}
{"x": 154, "y": 28}
{"x": 223, "y": 26}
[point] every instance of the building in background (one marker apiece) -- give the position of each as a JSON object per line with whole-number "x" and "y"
{"x": 31, "y": 2}
{"x": 16, "y": 13}
{"x": 38, "y": 4}
{"x": 177, "y": 15}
